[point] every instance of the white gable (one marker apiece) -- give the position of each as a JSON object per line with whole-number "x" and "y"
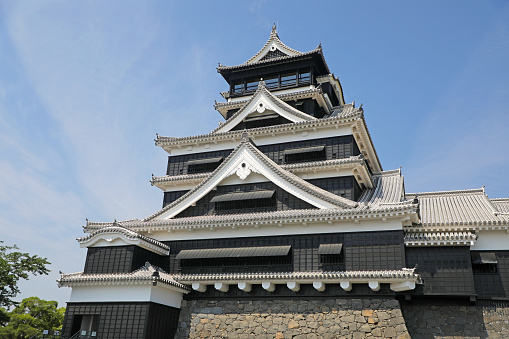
{"x": 272, "y": 45}
{"x": 243, "y": 161}
{"x": 262, "y": 103}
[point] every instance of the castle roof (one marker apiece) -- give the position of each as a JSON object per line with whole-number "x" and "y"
{"x": 147, "y": 274}
{"x": 273, "y": 51}
{"x": 459, "y": 208}
{"x": 382, "y": 202}
{"x": 114, "y": 232}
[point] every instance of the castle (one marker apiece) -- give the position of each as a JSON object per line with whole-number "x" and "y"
{"x": 284, "y": 212}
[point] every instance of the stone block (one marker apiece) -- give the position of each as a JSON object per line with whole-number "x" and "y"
{"x": 367, "y": 313}
{"x": 382, "y": 315}
{"x": 293, "y": 324}
{"x": 357, "y": 304}
{"x": 389, "y": 332}
{"x": 360, "y": 319}
{"x": 365, "y": 328}
{"x": 401, "y": 329}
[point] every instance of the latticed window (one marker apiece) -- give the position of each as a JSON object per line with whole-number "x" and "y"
{"x": 331, "y": 257}
{"x": 245, "y": 202}
{"x": 264, "y": 120}
{"x": 314, "y": 153}
{"x": 274, "y": 54}
{"x": 203, "y": 165}
{"x": 240, "y": 259}
{"x": 484, "y": 262}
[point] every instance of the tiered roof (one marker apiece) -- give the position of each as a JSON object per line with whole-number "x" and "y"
{"x": 382, "y": 201}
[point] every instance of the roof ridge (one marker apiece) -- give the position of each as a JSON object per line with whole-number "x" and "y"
{"x": 466, "y": 191}
{"x": 388, "y": 173}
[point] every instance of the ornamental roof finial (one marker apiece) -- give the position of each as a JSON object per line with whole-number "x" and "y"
{"x": 273, "y": 32}
{"x": 261, "y": 84}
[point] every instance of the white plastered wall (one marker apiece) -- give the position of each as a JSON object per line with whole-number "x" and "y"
{"x": 126, "y": 293}
{"x": 491, "y": 240}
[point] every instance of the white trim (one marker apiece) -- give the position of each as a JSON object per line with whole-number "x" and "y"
{"x": 145, "y": 292}
{"x": 119, "y": 239}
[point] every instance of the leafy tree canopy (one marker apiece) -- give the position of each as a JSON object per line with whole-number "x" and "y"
{"x": 14, "y": 266}
{"x": 32, "y": 316}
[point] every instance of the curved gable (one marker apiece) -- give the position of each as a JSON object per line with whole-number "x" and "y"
{"x": 261, "y": 102}
{"x": 243, "y": 161}
{"x": 120, "y": 236}
{"x": 273, "y": 45}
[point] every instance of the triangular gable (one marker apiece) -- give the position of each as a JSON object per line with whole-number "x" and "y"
{"x": 116, "y": 235}
{"x": 273, "y": 45}
{"x": 262, "y": 101}
{"x": 244, "y": 160}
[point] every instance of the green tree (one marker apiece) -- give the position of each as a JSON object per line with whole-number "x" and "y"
{"x": 14, "y": 266}
{"x": 32, "y": 316}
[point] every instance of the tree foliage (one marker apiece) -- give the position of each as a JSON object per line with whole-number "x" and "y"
{"x": 32, "y": 316}
{"x": 15, "y": 265}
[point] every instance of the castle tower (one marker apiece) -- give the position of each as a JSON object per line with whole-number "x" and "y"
{"x": 286, "y": 200}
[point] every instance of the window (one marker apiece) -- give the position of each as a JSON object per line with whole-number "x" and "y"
{"x": 245, "y": 202}
{"x": 264, "y": 120}
{"x": 484, "y": 263}
{"x": 238, "y": 87}
{"x": 304, "y": 76}
{"x": 240, "y": 259}
{"x": 331, "y": 257}
{"x": 203, "y": 165}
{"x": 272, "y": 82}
{"x": 252, "y": 85}
{"x": 304, "y": 154}
{"x": 288, "y": 79}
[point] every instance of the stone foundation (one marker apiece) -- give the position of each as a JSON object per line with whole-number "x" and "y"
{"x": 488, "y": 319}
{"x": 300, "y": 319}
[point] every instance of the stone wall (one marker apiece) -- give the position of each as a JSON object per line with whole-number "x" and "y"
{"x": 299, "y": 319}
{"x": 488, "y": 319}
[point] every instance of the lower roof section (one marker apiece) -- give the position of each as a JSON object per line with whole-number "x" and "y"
{"x": 399, "y": 280}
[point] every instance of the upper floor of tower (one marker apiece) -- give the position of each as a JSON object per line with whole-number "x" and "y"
{"x": 285, "y": 72}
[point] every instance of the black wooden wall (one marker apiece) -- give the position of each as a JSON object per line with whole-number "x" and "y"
{"x": 362, "y": 250}
{"x": 446, "y": 270}
{"x": 126, "y": 320}
{"x": 119, "y": 259}
{"x": 336, "y": 148}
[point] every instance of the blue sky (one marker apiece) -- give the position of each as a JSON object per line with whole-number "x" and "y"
{"x": 86, "y": 85}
